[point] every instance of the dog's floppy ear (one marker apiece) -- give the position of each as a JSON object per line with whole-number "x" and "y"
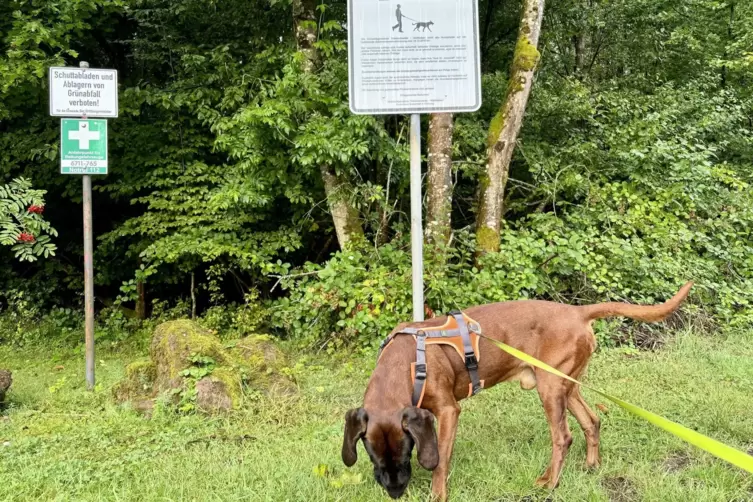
{"x": 355, "y": 428}
{"x": 420, "y": 425}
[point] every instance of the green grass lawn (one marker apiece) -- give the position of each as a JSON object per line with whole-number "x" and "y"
{"x": 60, "y": 442}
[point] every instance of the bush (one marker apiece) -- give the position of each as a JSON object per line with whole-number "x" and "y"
{"x": 359, "y": 296}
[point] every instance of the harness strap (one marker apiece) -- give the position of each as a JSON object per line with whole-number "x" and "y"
{"x": 471, "y": 362}
{"x": 420, "y": 368}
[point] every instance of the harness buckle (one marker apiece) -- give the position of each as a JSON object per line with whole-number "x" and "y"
{"x": 421, "y": 371}
{"x": 471, "y": 362}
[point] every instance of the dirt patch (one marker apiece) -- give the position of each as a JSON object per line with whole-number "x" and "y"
{"x": 620, "y": 489}
{"x": 651, "y": 337}
{"x": 676, "y": 462}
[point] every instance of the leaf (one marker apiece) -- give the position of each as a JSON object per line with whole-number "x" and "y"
{"x": 321, "y": 470}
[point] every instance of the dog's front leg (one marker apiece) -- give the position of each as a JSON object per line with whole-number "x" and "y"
{"x": 448, "y": 425}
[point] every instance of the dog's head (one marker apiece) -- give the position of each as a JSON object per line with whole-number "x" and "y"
{"x": 389, "y": 440}
{"x": 430, "y": 22}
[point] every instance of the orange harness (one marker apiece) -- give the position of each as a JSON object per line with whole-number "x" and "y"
{"x": 460, "y": 332}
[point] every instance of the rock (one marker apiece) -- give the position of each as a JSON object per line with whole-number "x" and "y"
{"x": 138, "y": 383}
{"x": 144, "y": 406}
{"x": 187, "y": 362}
{"x": 6, "y": 379}
{"x": 173, "y": 345}
{"x": 258, "y": 352}
{"x": 261, "y": 361}
{"x": 220, "y": 391}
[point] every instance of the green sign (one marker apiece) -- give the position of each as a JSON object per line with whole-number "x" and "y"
{"x": 83, "y": 146}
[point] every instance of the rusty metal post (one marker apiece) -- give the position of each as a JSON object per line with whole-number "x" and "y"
{"x": 88, "y": 282}
{"x": 88, "y": 274}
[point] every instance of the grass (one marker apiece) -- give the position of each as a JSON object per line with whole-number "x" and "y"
{"x": 60, "y": 442}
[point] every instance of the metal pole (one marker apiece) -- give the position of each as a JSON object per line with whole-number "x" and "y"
{"x": 88, "y": 282}
{"x": 416, "y": 229}
{"x": 88, "y": 274}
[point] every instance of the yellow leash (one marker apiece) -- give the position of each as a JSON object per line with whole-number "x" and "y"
{"x": 719, "y": 450}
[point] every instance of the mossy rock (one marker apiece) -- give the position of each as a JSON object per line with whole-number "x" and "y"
{"x": 220, "y": 391}
{"x": 138, "y": 382}
{"x": 258, "y": 353}
{"x": 173, "y": 345}
{"x": 253, "y": 362}
{"x": 6, "y": 379}
{"x": 261, "y": 361}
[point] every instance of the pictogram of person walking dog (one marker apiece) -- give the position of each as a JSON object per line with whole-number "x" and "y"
{"x": 417, "y": 24}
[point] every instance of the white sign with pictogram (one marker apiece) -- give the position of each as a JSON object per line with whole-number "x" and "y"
{"x": 413, "y": 56}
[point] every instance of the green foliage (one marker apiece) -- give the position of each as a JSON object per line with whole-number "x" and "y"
{"x": 37, "y": 35}
{"x": 233, "y": 321}
{"x": 21, "y": 222}
{"x": 632, "y": 172}
{"x": 201, "y": 366}
{"x": 360, "y": 295}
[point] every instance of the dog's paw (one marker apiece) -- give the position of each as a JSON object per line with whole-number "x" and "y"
{"x": 439, "y": 497}
{"x": 546, "y": 481}
{"x": 592, "y": 465}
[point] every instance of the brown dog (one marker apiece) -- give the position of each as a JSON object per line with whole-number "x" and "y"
{"x": 557, "y": 334}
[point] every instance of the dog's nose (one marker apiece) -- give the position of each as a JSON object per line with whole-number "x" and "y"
{"x": 396, "y": 493}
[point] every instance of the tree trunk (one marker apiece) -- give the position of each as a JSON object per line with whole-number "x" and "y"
{"x": 504, "y": 128}
{"x": 344, "y": 215}
{"x": 304, "y": 16}
{"x": 579, "y": 43}
{"x": 193, "y": 295}
{"x": 140, "y": 300}
{"x": 140, "y": 297}
{"x": 439, "y": 180}
{"x": 581, "y": 38}
{"x": 336, "y": 187}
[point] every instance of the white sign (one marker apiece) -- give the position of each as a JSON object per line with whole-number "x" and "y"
{"x": 75, "y": 92}
{"x": 413, "y": 56}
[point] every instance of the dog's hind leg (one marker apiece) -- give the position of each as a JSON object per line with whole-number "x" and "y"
{"x": 590, "y": 424}
{"x": 553, "y": 392}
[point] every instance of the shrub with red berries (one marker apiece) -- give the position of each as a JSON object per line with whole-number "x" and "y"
{"x": 22, "y": 224}
{"x": 26, "y": 237}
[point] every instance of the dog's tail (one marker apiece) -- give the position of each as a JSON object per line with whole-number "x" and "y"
{"x": 647, "y": 313}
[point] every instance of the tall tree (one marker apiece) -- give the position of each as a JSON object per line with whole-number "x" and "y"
{"x": 337, "y": 188}
{"x": 504, "y": 127}
{"x": 439, "y": 179}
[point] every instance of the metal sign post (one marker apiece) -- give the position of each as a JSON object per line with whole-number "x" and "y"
{"x": 413, "y": 57}
{"x": 83, "y": 92}
{"x": 88, "y": 282}
{"x": 416, "y": 227}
